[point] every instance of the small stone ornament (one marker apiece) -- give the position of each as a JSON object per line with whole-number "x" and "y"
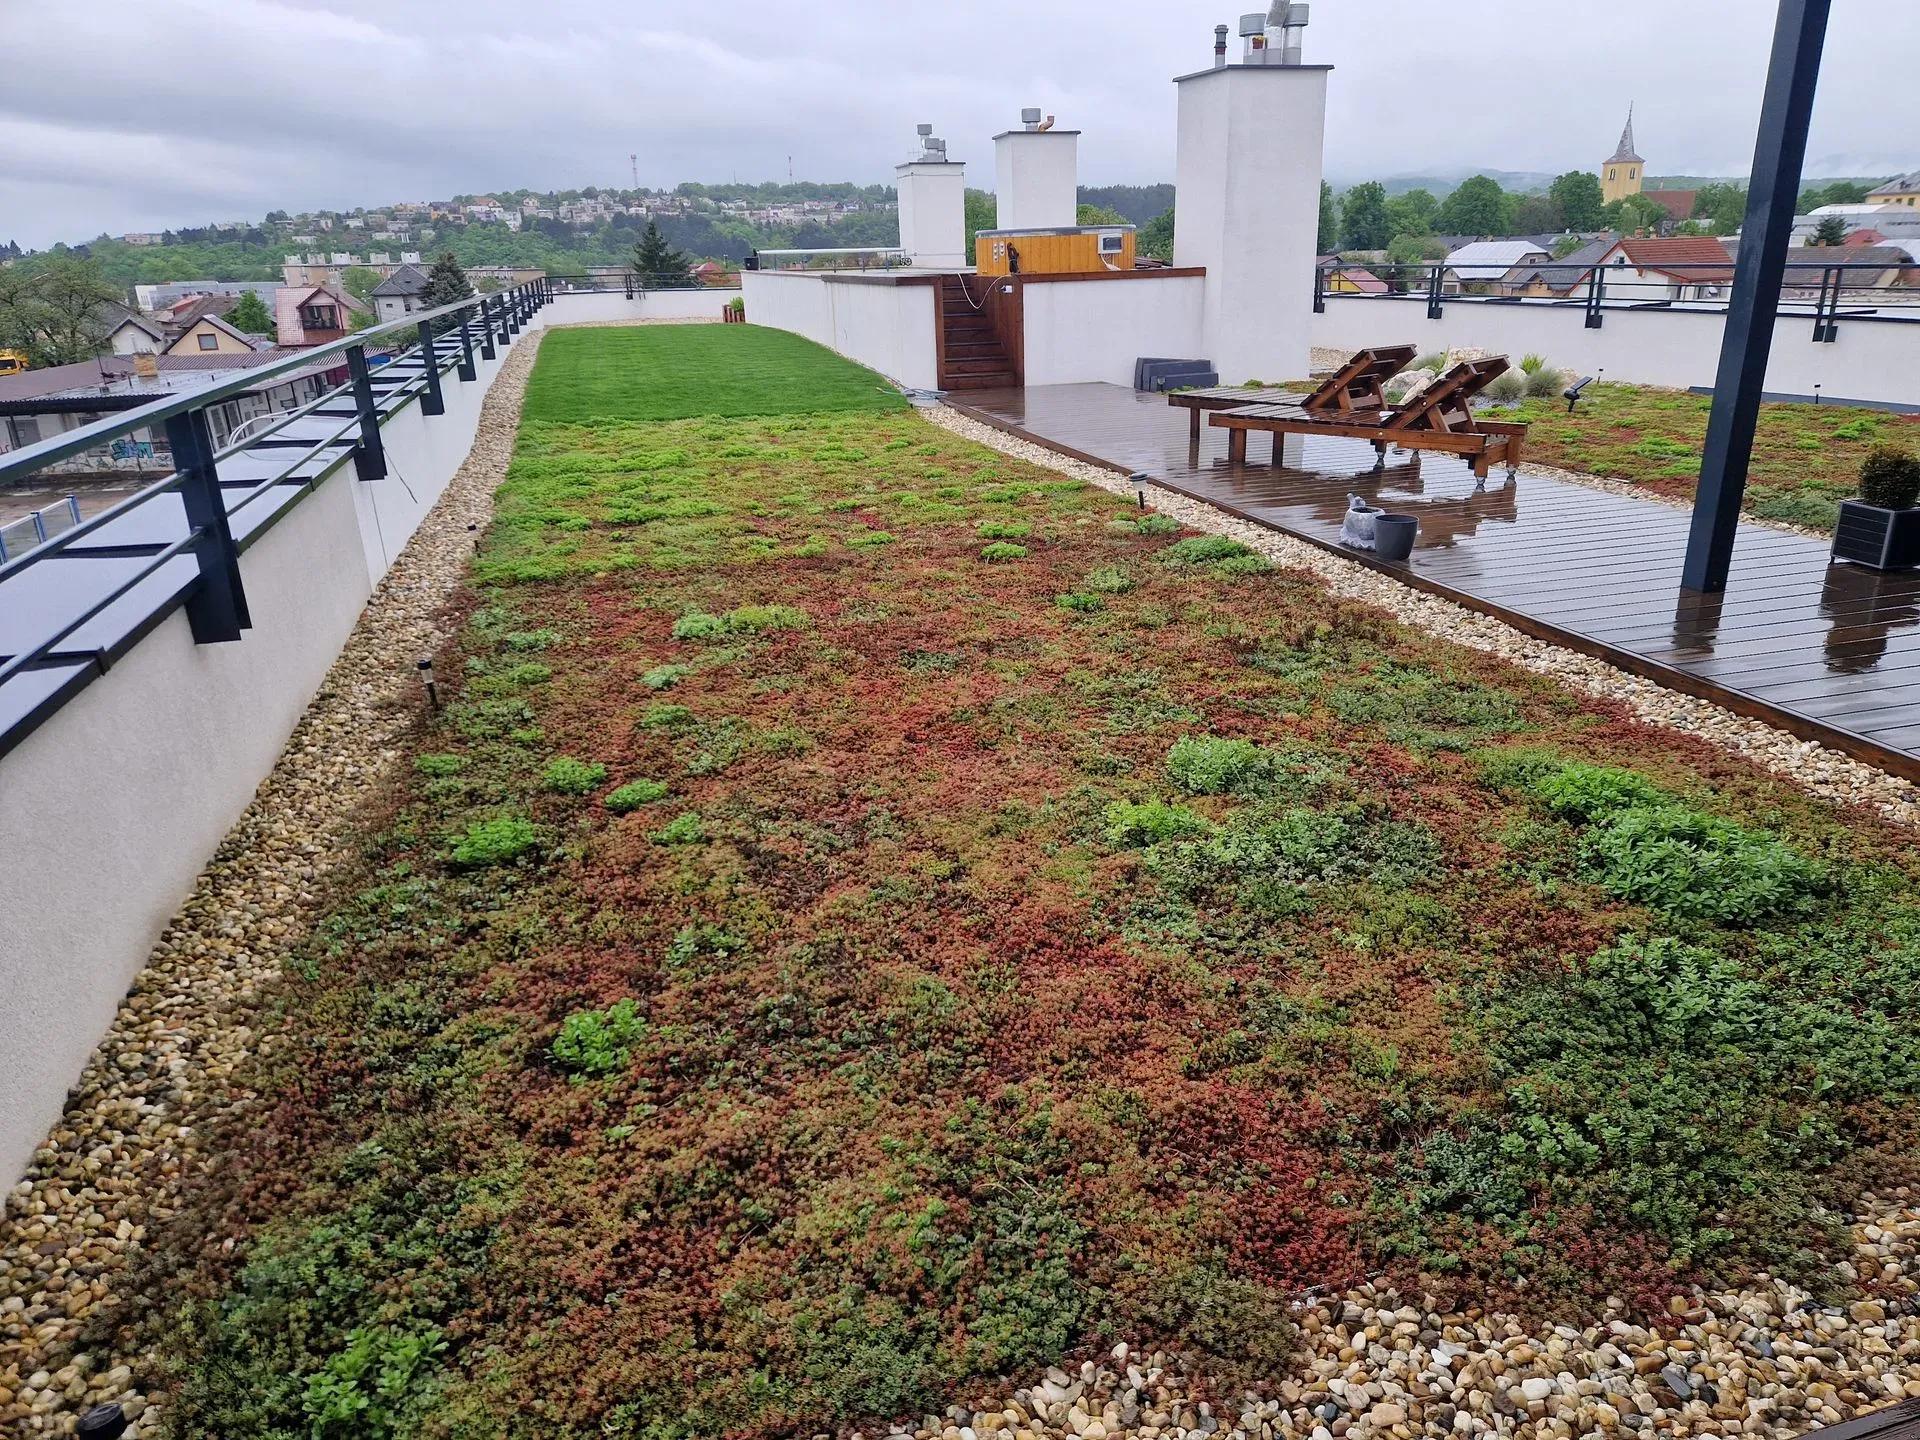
{"x": 1356, "y": 526}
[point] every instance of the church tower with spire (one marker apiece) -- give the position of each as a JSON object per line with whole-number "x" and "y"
{"x": 1623, "y": 173}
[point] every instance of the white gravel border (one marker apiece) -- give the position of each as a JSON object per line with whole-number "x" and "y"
{"x": 127, "y": 1145}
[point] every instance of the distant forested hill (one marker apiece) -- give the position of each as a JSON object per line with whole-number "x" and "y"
{"x": 1135, "y": 203}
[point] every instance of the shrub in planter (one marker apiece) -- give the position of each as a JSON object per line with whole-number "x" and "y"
{"x": 1881, "y": 529}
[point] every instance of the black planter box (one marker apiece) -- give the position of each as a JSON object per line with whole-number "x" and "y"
{"x": 1872, "y": 535}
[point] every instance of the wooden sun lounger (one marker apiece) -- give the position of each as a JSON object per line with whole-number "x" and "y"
{"x": 1439, "y": 418}
{"x": 1355, "y": 388}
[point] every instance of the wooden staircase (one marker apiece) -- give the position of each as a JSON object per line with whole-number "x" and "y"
{"x": 972, "y": 356}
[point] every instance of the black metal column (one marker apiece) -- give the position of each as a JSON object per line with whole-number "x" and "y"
{"x": 466, "y": 370}
{"x": 370, "y": 456}
{"x": 1778, "y": 154}
{"x": 217, "y": 609}
{"x": 483, "y": 317}
{"x": 431, "y": 402}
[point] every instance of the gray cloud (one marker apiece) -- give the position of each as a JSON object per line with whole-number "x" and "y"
{"x": 143, "y": 114}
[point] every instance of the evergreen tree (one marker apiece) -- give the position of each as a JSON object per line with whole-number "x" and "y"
{"x": 250, "y": 315}
{"x": 446, "y": 283}
{"x": 658, "y": 264}
{"x": 1832, "y": 230}
{"x": 1329, "y": 233}
{"x": 1363, "y": 217}
{"x": 1582, "y": 203}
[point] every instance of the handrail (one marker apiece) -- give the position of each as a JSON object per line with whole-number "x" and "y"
{"x": 196, "y": 474}
{"x": 19, "y": 463}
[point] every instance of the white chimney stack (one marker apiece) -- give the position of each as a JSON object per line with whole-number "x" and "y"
{"x": 1247, "y": 170}
{"x": 1036, "y": 175}
{"x": 932, "y": 194}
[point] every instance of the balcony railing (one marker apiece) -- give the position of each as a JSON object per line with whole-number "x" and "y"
{"x": 1825, "y": 293}
{"x": 62, "y": 624}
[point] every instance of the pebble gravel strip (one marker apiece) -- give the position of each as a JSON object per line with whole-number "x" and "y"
{"x": 1762, "y": 1361}
{"x": 125, "y": 1148}
{"x": 1823, "y": 772}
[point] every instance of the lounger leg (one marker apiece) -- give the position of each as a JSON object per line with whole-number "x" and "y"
{"x": 1236, "y": 447}
{"x": 1193, "y": 422}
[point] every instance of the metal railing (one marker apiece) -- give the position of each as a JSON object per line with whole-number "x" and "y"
{"x": 38, "y": 526}
{"x": 1825, "y": 292}
{"x": 864, "y": 257}
{"x": 442, "y": 340}
{"x": 635, "y": 282}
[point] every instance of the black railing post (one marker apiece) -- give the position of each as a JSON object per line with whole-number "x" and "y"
{"x": 1435, "y": 289}
{"x": 1780, "y": 152}
{"x": 370, "y": 456}
{"x": 511, "y": 314}
{"x": 500, "y": 318}
{"x": 466, "y": 370}
{"x": 1596, "y": 294}
{"x": 629, "y": 279}
{"x": 1826, "y": 310}
{"x": 1319, "y": 291}
{"x": 217, "y": 609}
{"x": 484, "y": 319}
{"x": 431, "y": 402}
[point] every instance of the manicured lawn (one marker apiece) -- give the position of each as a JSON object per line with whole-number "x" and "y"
{"x": 659, "y": 372}
{"x": 874, "y": 915}
{"x": 1805, "y": 459}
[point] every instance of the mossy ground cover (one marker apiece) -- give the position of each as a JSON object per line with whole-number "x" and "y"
{"x": 1806, "y": 458}
{"x": 805, "y": 974}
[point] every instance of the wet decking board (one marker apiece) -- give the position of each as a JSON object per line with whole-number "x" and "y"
{"x": 1827, "y": 652}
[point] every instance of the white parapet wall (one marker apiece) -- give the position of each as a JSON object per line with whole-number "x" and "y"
{"x": 884, "y": 322}
{"x": 115, "y": 803}
{"x": 1870, "y": 360}
{"x": 1093, "y": 328}
{"x": 590, "y": 307}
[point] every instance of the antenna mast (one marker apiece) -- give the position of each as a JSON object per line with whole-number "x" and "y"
{"x": 634, "y": 161}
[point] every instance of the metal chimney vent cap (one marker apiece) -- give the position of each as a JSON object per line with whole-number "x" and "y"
{"x": 1253, "y": 23}
{"x": 1030, "y": 115}
{"x": 923, "y": 129}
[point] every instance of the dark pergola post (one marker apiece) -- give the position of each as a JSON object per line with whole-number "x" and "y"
{"x": 1774, "y": 191}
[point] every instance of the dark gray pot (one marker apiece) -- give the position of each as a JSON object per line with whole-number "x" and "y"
{"x": 1393, "y": 536}
{"x": 1875, "y": 536}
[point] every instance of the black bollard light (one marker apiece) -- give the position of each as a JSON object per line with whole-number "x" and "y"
{"x": 102, "y": 1422}
{"x": 425, "y": 667}
{"x": 1138, "y": 479}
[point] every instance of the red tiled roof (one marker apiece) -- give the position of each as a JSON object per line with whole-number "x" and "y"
{"x": 1677, "y": 203}
{"x": 1685, "y": 257}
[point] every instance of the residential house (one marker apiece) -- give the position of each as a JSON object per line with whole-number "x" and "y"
{"x": 210, "y": 335}
{"x": 1353, "y": 280}
{"x": 1887, "y": 267}
{"x": 1664, "y": 269}
{"x": 1481, "y": 267}
{"x": 1902, "y": 190}
{"x": 1559, "y": 279}
{"x": 131, "y": 333}
{"x": 399, "y": 294}
{"x": 486, "y": 211}
{"x": 144, "y": 237}
{"x": 313, "y": 315}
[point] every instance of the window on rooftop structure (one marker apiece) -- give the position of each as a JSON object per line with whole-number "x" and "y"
{"x": 208, "y": 342}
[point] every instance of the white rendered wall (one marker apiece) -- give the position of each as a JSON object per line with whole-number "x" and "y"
{"x": 1247, "y": 173}
{"x": 1095, "y": 329}
{"x": 883, "y": 325}
{"x": 1678, "y": 348}
{"x": 115, "y": 803}
{"x": 588, "y": 306}
{"x": 933, "y": 213}
{"x": 1036, "y": 179}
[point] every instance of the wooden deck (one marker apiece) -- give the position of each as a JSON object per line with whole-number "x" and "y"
{"x": 1827, "y": 652}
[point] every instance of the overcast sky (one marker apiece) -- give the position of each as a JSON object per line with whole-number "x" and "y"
{"x": 121, "y": 115}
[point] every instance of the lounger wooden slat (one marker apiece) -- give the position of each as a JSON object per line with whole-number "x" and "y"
{"x": 1440, "y": 418}
{"x": 1356, "y": 388}
{"x": 1359, "y": 386}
